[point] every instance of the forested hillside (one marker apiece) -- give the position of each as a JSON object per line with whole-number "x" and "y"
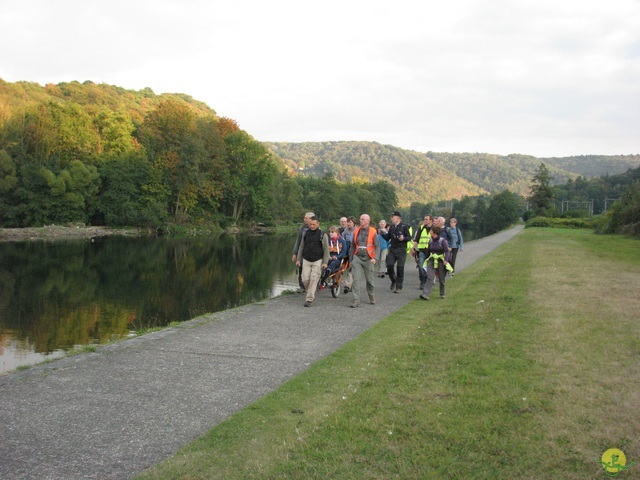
{"x": 431, "y": 176}
{"x": 103, "y": 155}
{"x": 417, "y": 177}
{"x": 99, "y": 154}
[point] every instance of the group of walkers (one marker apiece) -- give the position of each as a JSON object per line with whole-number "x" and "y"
{"x": 373, "y": 251}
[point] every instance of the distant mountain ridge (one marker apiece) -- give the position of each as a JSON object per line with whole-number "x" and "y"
{"x": 431, "y": 176}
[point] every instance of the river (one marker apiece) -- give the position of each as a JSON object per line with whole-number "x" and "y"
{"x": 56, "y": 296}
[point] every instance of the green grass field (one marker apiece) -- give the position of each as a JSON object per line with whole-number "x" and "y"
{"x": 528, "y": 370}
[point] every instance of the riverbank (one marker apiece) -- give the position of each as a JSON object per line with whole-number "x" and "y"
{"x": 60, "y": 232}
{"x": 53, "y": 232}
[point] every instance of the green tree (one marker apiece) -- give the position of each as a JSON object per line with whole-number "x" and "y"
{"x": 8, "y": 182}
{"x": 251, "y": 175}
{"x": 115, "y": 129}
{"x": 624, "y": 216}
{"x": 503, "y": 211}
{"x": 124, "y": 198}
{"x": 480, "y": 214}
{"x": 541, "y": 197}
{"x": 463, "y": 212}
{"x": 287, "y": 195}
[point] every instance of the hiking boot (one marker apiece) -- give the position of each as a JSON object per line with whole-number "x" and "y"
{"x": 397, "y": 290}
{"x": 355, "y": 304}
{"x": 393, "y": 285}
{"x": 307, "y": 303}
{"x": 372, "y": 299}
{"x": 424, "y": 297}
{"x": 442, "y": 297}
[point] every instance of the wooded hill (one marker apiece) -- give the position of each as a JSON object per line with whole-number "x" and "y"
{"x": 431, "y": 176}
{"x": 100, "y": 154}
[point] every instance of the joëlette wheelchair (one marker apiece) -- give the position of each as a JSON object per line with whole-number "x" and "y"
{"x": 334, "y": 279}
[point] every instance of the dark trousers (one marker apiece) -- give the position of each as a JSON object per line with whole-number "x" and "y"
{"x": 300, "y": 277}
{"x": 396, "y": 255}
{"x": 452, "y": 257}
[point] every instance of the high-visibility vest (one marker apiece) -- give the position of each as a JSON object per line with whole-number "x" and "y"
{"x": 410, "y": 241}
{"x": 437, "y": 257}
{"x": 371, "y": 246}
{"x": 423, "y": 241}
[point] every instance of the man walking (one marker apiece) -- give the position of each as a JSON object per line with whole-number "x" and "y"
{"x": 296, "y": 246}
{"x": 421, "y": 247}
{"x": 363, "y": 253}
{"x": 313, "y": 255}
{"x": 398, "y": 237}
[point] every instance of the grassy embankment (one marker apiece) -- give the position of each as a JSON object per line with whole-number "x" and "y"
{"x": 529, "y": 369}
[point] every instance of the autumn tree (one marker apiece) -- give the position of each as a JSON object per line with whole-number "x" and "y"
{"x": 186, "y": 155}
{"x": 227, "y": 126}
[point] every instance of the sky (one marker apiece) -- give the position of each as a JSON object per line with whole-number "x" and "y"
{"x": 535, "y": 77}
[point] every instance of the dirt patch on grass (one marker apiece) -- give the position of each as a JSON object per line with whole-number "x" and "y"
{"x": 589, "y": 340}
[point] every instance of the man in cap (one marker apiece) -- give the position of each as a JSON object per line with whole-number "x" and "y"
{"x": 398, "y": 236}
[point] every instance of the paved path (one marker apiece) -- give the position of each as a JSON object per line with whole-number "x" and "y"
{"x": 115, "y": 412}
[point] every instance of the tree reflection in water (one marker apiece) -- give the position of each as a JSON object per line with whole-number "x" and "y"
{"x": 57, "y": 295}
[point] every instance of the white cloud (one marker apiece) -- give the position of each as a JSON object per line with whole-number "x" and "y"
{"x": 537, "y": 77}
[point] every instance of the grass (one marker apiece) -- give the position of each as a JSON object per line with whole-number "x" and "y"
{"x": 528, "y": 370}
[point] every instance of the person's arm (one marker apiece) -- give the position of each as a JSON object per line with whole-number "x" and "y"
{"x": 299, "y": 254}
{"x": 343, "y": 248}
{"x": 376, "y": 242}
{"x": 446, "y": 250}
{"x": 460, "y": 242}
{"x": 296, "y": 246}
{"x": 325, "y": 250}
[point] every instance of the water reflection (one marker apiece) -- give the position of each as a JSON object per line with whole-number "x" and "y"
{"x": 54, "y": 296}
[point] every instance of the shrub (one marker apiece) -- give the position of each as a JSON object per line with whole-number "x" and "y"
{"x": 559, "y": 222}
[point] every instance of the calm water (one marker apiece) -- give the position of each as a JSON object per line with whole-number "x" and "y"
{"x": 57, "y": 295}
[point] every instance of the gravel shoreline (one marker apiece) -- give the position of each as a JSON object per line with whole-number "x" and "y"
{"x": 53, "y": 232}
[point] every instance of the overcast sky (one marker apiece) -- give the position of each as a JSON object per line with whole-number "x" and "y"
{"x": 538, "y": 77}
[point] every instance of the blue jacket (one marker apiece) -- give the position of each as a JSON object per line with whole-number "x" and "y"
{"x": 384, "y": 244}
{"x": 455, "y": 237}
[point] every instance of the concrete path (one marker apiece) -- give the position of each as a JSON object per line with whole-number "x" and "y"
{"x": 113, "y": 413}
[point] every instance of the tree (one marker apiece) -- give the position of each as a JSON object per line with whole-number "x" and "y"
{"x": 541, "y": 198}
{"x": 8, "y": 182}
{"x": 116, "y": 132}
{"x": 624, "y": 216}
{"x": 251, "y": 175}
{"x": 186, "y": 155}
{"x": 227, "y": 126}
{"x": 502, "y": 212}
{"x": 463, "y": 212}
{"x": 124, "y": 198}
